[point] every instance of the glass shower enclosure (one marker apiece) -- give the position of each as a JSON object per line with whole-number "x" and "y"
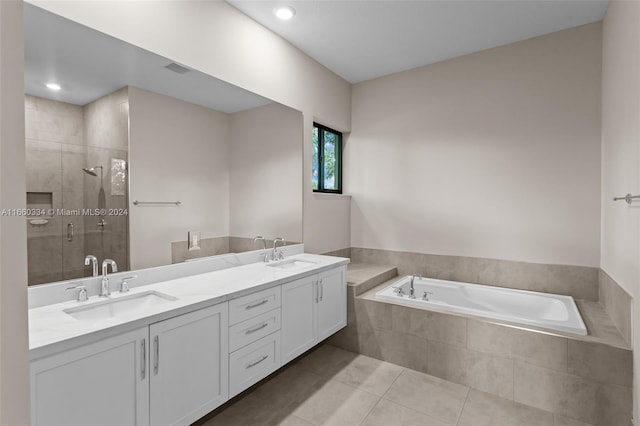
{"x": 77, "y": 180}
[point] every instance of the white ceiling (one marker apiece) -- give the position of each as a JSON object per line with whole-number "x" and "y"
{"x": 89, "y": 64}
{"x": 363, "y": 39}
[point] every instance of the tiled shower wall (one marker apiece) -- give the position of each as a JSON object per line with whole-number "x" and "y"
{"x": 62, "y": 139}
{"x": 106, "y": 130}
{"x": 55, "y": 158}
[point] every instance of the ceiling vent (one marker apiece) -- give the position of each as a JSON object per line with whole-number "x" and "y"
{"x": 177, "y": 68}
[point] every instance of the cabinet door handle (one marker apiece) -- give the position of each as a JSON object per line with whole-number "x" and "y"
{"x": 143, "y": 358}
{"x": 321, "y": 290}
{"x": 315, "y": 289}
{"x": 253, "y": 330}
{"x": 253, "y": 364}
{"x": 156, "y": 361}
{"x": 255, "y": 305}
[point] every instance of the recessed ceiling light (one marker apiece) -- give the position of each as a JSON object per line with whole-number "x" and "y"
{"x": 284, "y": 12}
{"x": 53, "y": 86}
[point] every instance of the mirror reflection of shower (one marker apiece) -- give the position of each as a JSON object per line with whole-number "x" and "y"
{"x": 75, "y": 158}
{"x": 102, "y": 198}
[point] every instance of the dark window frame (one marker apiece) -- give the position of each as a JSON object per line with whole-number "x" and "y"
{"x": 338, "y": 149}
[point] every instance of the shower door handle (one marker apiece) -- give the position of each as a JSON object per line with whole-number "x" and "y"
{"x": 70, "y": 231}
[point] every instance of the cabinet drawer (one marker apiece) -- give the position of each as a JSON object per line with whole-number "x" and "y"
{"x": 253, "y": 329}
{"x": 254, "y": 362}
{"x": 254, "y": 304}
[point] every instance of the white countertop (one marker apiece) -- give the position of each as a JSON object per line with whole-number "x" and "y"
{"x": 51, "y": 330}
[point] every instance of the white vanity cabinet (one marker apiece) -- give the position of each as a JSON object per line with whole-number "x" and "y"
{"x": 174, "y": 371}
{"x": 103, "y": 383}
{"x": 313, "y": 308}
{"x": 169, "y": 373}
{"x": 188, "y": 365}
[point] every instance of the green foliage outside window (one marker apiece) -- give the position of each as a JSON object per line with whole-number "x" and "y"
{"x": 327, "y": 164}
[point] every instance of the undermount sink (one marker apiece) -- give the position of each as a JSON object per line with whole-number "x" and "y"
{"x": 291, "y": 264}
{"x": 112, "y": 308}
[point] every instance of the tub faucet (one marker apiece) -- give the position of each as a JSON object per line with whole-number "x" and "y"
{"x": 276, "y": 255}
{"x": 412, "y": 291}
{"x": 104, "y": 288}
{"x": 93, "y": 261}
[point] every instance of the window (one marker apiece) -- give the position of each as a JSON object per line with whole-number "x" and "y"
{"x": 327, "y": 160}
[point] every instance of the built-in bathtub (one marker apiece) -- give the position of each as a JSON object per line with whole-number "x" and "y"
{"x": 543, "y": 310}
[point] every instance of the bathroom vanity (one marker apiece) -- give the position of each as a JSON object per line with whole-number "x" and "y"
{"x": 168, "y": 353}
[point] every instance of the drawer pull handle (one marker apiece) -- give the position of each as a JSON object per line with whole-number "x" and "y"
{"x": 253, "y": 364}
{"x": 260, "y": 327}
{"x": 255, "y": 305}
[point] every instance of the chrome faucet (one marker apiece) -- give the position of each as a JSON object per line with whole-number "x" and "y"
{"x": 104, "y": 289}
{"x": 412, "y": 291}
{"x": 93, "y": 261}
{"x": 276, "y": 255}
{"x": 265, "y": 255}
{"x": 261, "y": 238}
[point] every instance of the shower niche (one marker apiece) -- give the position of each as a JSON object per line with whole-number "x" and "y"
{"x": 76, "y": 159}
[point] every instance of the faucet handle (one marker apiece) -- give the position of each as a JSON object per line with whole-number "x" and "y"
{"x": 124, "y": 286}
{"x": 82, "y": 295}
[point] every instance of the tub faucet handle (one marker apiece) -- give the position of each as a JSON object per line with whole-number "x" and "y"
{"x": 400, "y": 292}
{"x": 425, "y": 295}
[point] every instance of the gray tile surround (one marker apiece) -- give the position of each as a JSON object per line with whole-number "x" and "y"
{"x": 578, "y": 281}
{"x": 617, "y": 303}
{"x": 208, "y": 247}
{"x": 573, "y": 396}
{"x": 499, "y": 359}
{"x": 345, "y": 252}
{"x": 215, "y": 246}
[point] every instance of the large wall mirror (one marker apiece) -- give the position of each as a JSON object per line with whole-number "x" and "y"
{"x": 130, "y": 152}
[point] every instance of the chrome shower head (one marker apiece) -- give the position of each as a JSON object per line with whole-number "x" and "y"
{"x": 91, "y": 171}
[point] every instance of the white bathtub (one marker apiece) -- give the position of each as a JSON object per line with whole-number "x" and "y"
{"x": 544, "y": 310}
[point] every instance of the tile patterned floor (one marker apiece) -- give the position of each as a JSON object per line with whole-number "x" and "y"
{"x": 333, "y": 387}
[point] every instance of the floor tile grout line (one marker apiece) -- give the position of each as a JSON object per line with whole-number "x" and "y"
{"x": 422, "y": 412}
{"x": 370, "y": 410}
{"x": 353, "y": 387}
{"x": 393, "y": 383}
{"x": 466, "y": 398}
